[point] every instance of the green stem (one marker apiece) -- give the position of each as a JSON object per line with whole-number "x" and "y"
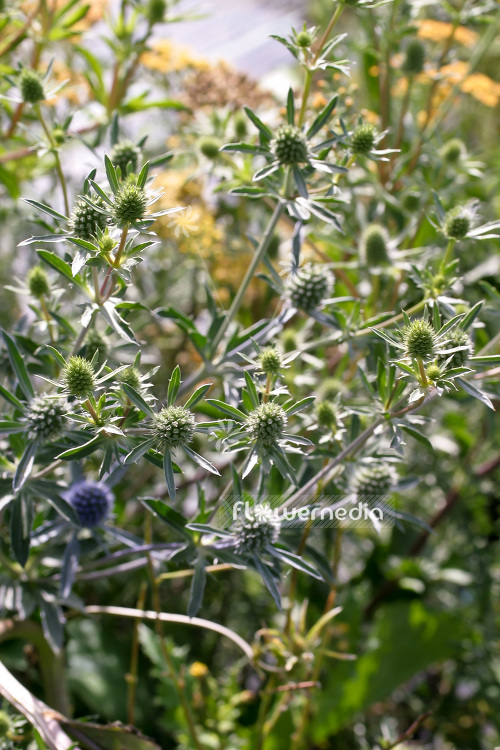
{"x": 448, "y": 256}
{"x": 179, "y": 683}
{"x": 265, "y": 702}
{"x": 333, "y": 20}
{"x": 305, "y": 96}
{"x": 55, "y": 151}
{"x": 423, "y": 376}
{"x": 257, "y": 258}
{"x": 95, "y": 280}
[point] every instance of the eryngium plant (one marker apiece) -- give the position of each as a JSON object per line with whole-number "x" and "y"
{"x": 347, "y": 351}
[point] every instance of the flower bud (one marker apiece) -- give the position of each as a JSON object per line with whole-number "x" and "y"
{"x": 415, "y": 57}
{"x": 304, "y": 39}
{"x": 374, "y": 480}
{"x": 96, "y": 342}
{"x": 45, "y": 418}
{"x": 326, "y": 414}
{"x": 457, "y": 223}
{"x": 289, "y": 145}
{"x": 433, "y": 372}
{"x": 131, "y": 376}
{"x": 254, "y": 537}
{"x": 240, "y": 125}
{"x": 453, "y": 151}
{"x": 267, "y": 423}
{"x": 78, "y": 377}
{"x": 270, "y": 360}
{"x": 174, "y": 426}
{"x": 209, "y": 147}
{"x": 130, "y": 204}
{"x": 289, "y": 340}
{"x": 123, "y": 154}
{"x": 155, "y": 12}
{"x": 92, "y": 502}
{"x": 411, "y": 201}
{"x": 31, "y": 86}
{"x": 419, "y": 340}
{"x": 308, "y": 287}
{"x": 363, "y": 139}
{"x": 457, "y": 338}
{"x": 38, "y": 282}
{"x": 85, "y": 220}
{"x": 374, "y": 245}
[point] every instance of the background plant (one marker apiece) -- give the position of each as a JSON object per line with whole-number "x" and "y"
{"x": 322, "y": 267}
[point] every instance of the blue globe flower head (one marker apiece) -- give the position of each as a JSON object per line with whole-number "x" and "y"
{"x": 92, "y": 501}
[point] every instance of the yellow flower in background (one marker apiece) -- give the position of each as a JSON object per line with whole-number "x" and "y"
{"x": 166, "y": 56}
{"x": 439, "y": 31}
{"x": 185, "y": 222}
{"x": 198, "y": 669}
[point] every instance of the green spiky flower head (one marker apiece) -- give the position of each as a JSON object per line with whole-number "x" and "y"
{"x": 31, "y": 86}
{"x": 326, "y": 413}
{"x": 78, "y": 377}
{"x": 411, "y": 201}
{"x": 155, "y": 11}
{"x": 131, "y": 376}
{"x": 45, "y": 417}
{"x": 86, "y": 220}
{"x": 374, "y": 480}
{"x": 415, "y": 57}
{"x": 289, "y": 145}
{"x": 123, "y": 154}
{"x": 174, "y": 426}
{"x": 453, "y": 151}
{"x": 254, "y": 537}
{"x": 38, "y": 282}
{"x": 289, "y": 340}
{"x": 270, "y": 360}
{"x": 267, "y": 423}
{"x": 130, "y": 203}
{"x": 374, "y": 245}
{"x": 96, "y": 342}
{"x": 419, "y": 340}
{"x": 433, "y": 372}
{"x": 457, "y": 223}
{"x": 304, "y": 39}
{"x": 457, "y": 338}
{"x": 363, "y": 139}
{"x": 309, "y": 286}
{"x": 209, "y": 147}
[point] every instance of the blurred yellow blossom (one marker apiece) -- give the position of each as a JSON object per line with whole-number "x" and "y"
{"x": 198, "y": 669}
{"x": 185, "y": 222}
{"x": 439, "y": 31}
{"x": 167, "y": 56}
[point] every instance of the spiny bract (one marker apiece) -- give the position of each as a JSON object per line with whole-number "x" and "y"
{"x": 92, "y": 501}
{"x": 174, "y": 426}
{"x": 267, "y": 423}
{"x": 419, "y": 339}
{"x": 309, "y": 286}
{"x": 45, "y": 418}
{"x": 289, "y": 145}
